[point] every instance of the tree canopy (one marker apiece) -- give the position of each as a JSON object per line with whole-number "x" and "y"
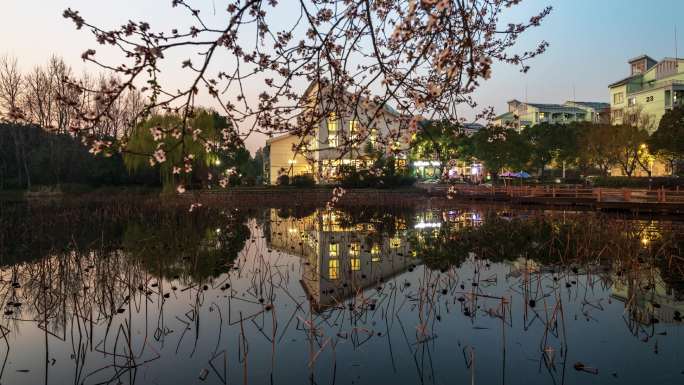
{"x": 177, "y": 159}
{"x": 424, "y": 58}
{"x": 667, "y": 142}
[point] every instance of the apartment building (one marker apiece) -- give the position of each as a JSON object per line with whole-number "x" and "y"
{"x": 523, "y": 114}
{"x": 651, "y": 89}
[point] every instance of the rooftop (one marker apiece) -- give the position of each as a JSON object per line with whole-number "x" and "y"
{"x": 558, "y": 107}
{"x": 505, "y": 115}
{"x": 624, "y": 80}
{"x": 593, "y": 105}
{"x": 278, "y": 138}
{"x": 640, "y": 57}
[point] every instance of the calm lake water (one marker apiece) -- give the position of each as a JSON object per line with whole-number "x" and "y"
{"x": 151, "y": 295}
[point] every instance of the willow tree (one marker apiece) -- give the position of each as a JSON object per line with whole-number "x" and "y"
{"x": 178, "y": 156}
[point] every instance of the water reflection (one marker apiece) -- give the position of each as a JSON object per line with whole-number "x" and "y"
{"x": 342, "y": 255}
{"x": 145, "y": 294}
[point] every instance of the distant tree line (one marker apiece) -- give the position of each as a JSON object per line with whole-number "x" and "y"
{"x": 588, "y": 148}
{"x": 40, "y": 115}
{"x": 51, "y": 159}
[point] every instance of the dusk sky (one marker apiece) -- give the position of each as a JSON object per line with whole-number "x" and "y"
{"x": 590, "y": 41}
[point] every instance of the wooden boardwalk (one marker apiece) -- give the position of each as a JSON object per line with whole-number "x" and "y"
{"x": 624, "y": 199}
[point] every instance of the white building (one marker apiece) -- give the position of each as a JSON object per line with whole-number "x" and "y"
{"x": 337, "y": 136}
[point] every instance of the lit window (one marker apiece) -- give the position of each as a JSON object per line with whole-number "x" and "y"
{"x": 332, "y": 129}
{"x": 542, "y": 115}
{"x": 353, "y": 130}
{"x": 373, "y": 137}
{"x": 334, "y": 250}
{"x": 395, "y": 243}
{"x": 354, "y": 249}
{"x": 355, "y": 264}
{"x": 375, "y": 253}
{"x": 333, "y": 268}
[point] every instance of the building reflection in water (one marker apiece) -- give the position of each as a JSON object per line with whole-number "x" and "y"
{"x": 345, "y": 256}
{"x": 648, "y": 298}
{"x": 651, "y": 293}
{"x": 341, "y": 259}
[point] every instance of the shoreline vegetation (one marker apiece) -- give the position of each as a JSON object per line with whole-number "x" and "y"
{"x": 544, "y": 197}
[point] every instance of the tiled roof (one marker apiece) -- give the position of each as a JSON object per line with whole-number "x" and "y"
{"x": 545, "y": 106}
{"x": 472, "y": 126}
{"x": 593, "y": 105}
{"x": 505, "y": 115}
{"x": 556, "y": 107}
{"x": 623, "y": 81}
{"x": 278, "y": 138}
{"x": 641, "y": 57}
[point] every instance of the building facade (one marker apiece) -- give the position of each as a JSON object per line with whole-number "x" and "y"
{"x": 346, "y": 137}
{"x": 651, "y": 89}
{"x": 521, "y": 114}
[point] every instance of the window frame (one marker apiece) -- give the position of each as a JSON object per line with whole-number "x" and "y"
{"x": 332, "y": 123}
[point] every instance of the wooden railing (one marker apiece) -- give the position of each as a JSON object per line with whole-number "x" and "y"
{"x": 566, "y": 193}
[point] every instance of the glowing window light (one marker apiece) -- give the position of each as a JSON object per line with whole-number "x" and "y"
{"x": 355, "y": 264}
{"x": 334, "y": 250}
{"x": 375, "y": 253}
{"x": 427, "y": 225}
{"x": 333, "y": 269}
{"x": 353, "y": 130}
{"x": 332, "y": 129}
{"x": 354, "y": 249}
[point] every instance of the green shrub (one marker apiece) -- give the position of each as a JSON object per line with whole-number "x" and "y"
{"x": 249, "y": 180}
{"x": 306, "y": 180}
{"x": 283, "y": 180}
{"x": 364, "y": 179}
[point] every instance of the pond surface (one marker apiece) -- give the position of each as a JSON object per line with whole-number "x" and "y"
{"x": 152, "y": 295}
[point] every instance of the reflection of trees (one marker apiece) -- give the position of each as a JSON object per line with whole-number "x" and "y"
{"x": 93, "y": 266}
{"x": 169, "y": 241}
{"x": 200, "y": 247}
{"x": 386, "y": 222}
{"x": 298, "y": 212}
{"x": 31, "y": 231}
{"x": 546, "y": 239}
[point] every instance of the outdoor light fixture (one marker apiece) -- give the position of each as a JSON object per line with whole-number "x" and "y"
{"x": 217, "y": 162}
{"x": 427, "y": 225}
{"x": 425, "y": 163}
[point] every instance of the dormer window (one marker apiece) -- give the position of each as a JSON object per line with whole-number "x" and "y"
{"x": 638, "y": 68}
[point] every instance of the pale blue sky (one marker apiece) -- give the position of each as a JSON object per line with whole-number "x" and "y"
{"x": 591, "y": 40}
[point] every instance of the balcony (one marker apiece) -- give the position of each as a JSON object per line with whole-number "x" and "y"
{"x": 633, "y": 88}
